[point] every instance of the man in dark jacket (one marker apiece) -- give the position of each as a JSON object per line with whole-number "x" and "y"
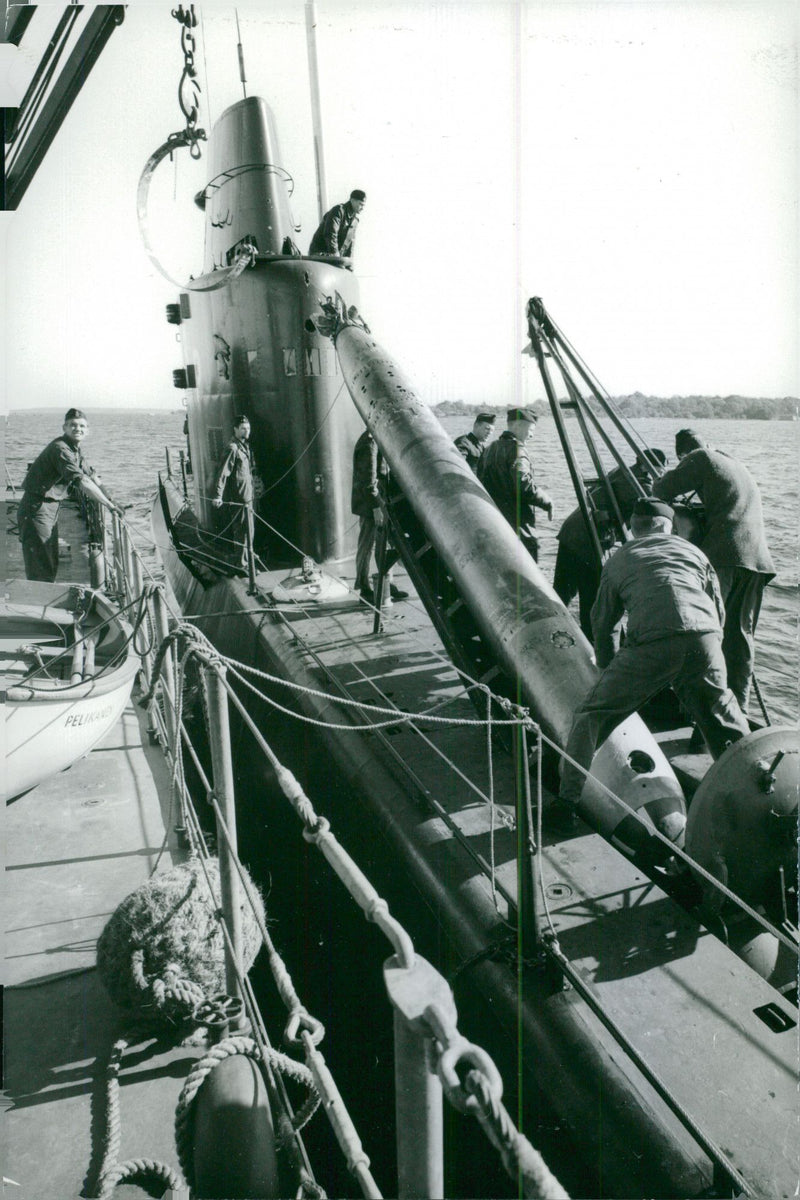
{"x": 59, "y": 468}
{"x": 337, "y": 230}
{"x": 233, "y": 496}
{"x": 506, "y": 471}
{"x": 734, "y": 540}
{"x": 369, "y": 467}
{"x": 670, "y": 592}
{"x": 577, "y": 570}
{"x": 472, "y": 445}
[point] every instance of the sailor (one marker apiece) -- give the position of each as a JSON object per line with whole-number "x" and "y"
{"x": 369, "y": 468}
{"x": 233, "y": 496}
{"x": 577, "y": 570}
{"x": 59, "y": 468}
{"x": 471, "y": 445}
{"x": 670, "y": 592}
{"x": 733, "y": 539}
{"x": 337, "y": 230}
{"x": 506, "y": 471}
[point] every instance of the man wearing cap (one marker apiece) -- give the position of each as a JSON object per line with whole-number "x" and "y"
{"x": 471, "y": 445}
{"x": 337, "y": 230}
{"x": 733, "y": 539}
{"x": 577, "y": 570}
{"x": 59, "y": 468}
{"x": 669, "y": 590}
{"x": 506, "y": 471}
{"x": 233, "y": 496}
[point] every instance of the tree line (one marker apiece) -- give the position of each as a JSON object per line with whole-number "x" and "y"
{"x": 737, "y": 408}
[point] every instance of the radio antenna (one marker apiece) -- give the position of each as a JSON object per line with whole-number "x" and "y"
{"x": 316, "y": 105}
{"x": 240, "y": 52}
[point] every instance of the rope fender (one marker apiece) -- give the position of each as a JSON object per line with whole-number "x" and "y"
{"x": 161, "y": 953}
{"x": 232, "y": 1046}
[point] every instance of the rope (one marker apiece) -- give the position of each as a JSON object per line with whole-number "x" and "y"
{"x": 516, "y": 714}
{"x": 521, "y": 1160}
{"x": 111, "y": 1172}
{"x": 229, "y": 1048}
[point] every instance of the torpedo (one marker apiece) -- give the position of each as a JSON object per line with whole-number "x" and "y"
{"x": 533, "y": 636}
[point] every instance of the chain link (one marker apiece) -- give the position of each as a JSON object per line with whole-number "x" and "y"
{"x": 189, "y": 86}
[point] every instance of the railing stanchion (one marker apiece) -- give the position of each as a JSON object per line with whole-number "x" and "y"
{"x": 183, "y": 474}
{"x": 419, "y": 1114}
{"x": 527, "y": 914}
{"x": 119, "y": 556}
{"x": 220, "y": 738}
{"x": 419, "y": 1104}
{"x": 129, "y": 558}
{"x": 144, "y": 612}
{"x": 161, "y": 622}
{"x": 251, "y": 557}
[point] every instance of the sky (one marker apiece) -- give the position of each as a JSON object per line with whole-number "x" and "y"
{"x": 635, "y": 164}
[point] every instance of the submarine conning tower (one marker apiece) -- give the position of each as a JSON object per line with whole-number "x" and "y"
{"x": 250, "y": 346}
{"x": 247, "y": 197}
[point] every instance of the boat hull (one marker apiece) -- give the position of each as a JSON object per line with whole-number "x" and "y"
{"x": 49, "y": 725}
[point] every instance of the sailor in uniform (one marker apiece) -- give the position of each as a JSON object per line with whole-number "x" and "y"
{"x": 733, "y": 539}
{"x": 670, "y": 592}
{"x": 233, "y": 496}
{"x": 506, "y": 471}
{"x": 577, "y": 571}
{"x": 59, "y": 468}
{"x": 472, "y": 445}
{"x": 336, "y": 233}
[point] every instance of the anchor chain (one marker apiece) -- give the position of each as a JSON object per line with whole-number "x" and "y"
{"x": 189, "y": 87}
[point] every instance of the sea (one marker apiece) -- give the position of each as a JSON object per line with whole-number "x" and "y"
{"x": 129, "y": 447}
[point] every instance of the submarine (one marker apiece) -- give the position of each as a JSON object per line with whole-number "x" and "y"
{"x": 628, "y": 1011}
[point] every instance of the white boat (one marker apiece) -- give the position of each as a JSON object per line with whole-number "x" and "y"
{"x": 67, "y": 665}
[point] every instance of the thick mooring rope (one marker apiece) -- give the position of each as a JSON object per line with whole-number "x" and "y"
{"x": 111, "y": 1172}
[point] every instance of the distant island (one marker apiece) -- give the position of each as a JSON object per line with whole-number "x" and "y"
{"x": 738, "y": 408}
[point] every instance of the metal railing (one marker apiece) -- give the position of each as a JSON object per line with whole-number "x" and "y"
{"x": 429, "y": 1050}
{"x": 433, "y": 1061}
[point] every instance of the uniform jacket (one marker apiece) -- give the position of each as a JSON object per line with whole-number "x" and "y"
{"x": 574, "y": 535}
{"x": 332, "y": 235}
{"x": 56, "y": 469}
{"x": 506, "y": 471}
{"x": 734, "y": 524}
{"x": 59, "y": 466}
{"x": 666, "y": 585}
{"x": 235, "y": 475}
{"x": 471, "y": 449}
{"x": 368, "y": 468}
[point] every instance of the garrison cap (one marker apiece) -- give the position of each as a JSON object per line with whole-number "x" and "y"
{"x": 653, "y": 454}
{"x": 239, "y": 419}
{"x": 75, "y": 414}
{"x": 488, "y": 417}
{"x": 358, "y": 194}
{"x": 647, "y": 506}
{"x": 523, "y": 414}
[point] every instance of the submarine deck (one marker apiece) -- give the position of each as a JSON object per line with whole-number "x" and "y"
{"x": 688, "y": 1005}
